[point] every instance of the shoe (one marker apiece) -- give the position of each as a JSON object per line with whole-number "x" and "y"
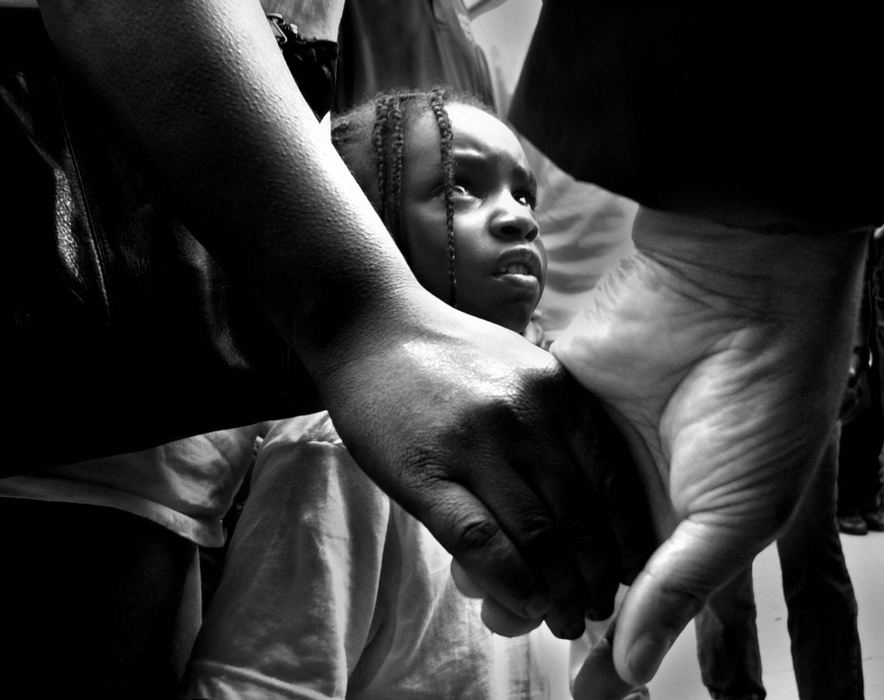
{"x": 874, "y": 520}
{"x": 852, "y": 525}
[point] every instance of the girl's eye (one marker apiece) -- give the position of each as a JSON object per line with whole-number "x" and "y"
{"x": 529, "y": 199}
{"x": 457, "y": 191}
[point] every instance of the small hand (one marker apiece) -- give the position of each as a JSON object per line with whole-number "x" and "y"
{"x": 721, "y": 353}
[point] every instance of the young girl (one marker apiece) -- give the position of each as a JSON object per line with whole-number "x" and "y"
{"x": 330, "y": 589}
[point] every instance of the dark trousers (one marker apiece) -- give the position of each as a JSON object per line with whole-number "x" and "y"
{"x": 821, "y": 607}
{"x": 859, "y": 469}
{"x": 94, "y": 602}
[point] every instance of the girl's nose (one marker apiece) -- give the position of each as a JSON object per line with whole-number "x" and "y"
{"x": 515, "y": 221}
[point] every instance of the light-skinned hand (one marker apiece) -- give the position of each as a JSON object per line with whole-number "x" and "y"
{"x": 722, "y": 353}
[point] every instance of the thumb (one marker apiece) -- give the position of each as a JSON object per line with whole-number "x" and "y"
{"x": 673, "y": 587}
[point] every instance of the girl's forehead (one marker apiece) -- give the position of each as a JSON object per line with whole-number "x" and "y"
{"x": 472, "y": 128}
{"x": 472, "y": 121}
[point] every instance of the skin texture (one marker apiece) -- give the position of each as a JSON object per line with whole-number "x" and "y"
{"x": 472, "y": 428}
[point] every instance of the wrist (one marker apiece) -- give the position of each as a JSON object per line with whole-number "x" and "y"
{"x": 358, "y": 323}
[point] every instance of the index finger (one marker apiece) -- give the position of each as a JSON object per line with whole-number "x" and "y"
{"x": 465, "y": 527}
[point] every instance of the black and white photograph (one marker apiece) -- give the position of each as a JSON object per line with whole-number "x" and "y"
{"x": 442, "y": 350}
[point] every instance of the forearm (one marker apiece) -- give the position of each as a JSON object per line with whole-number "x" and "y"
{"x": 202, "y": 90}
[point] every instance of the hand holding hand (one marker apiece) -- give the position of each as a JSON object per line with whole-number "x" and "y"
{"x": 482, "y": 436}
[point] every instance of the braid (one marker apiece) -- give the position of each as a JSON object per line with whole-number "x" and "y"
{"x": 371, "y": 139}
{"x": 437, "y": 104}
{"x": 388, "y": 148}
{"x": 382, "y": 111}
{"x": 397, "y": 147}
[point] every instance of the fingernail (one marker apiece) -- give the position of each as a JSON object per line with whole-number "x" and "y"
{"x": 537, "y": 607}
{"x": 645, "y": 656}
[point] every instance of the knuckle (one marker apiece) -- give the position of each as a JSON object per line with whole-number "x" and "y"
{"x": 424, "y": 467}
{"x": 475, "y": 534}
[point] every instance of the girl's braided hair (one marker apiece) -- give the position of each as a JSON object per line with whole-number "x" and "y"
{"x": 371, "y": 140}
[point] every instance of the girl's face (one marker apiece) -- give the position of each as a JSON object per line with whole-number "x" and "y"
{"x": 500, "y": 262}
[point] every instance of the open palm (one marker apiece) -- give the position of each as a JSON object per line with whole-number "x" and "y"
{"x": 722, "y": 354}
